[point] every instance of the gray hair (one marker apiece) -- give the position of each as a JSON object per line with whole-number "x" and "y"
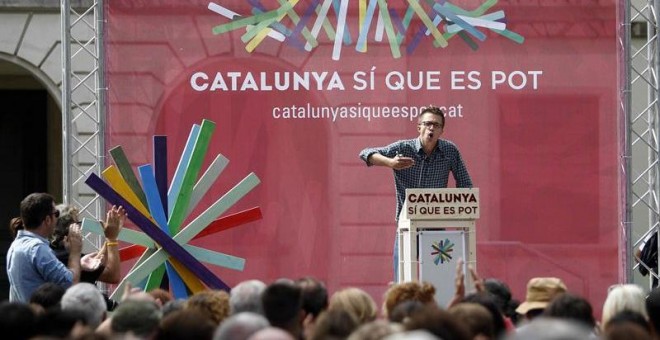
{"x": 377, "y": 329}
{"x": 240, "y": 326}
{"x": 547, "y": 328}
{"x": 246, "y": 297}
{"x": 139, "y": 317}
{"x": 624, "y": 297}
{"x": 87, "y": 299}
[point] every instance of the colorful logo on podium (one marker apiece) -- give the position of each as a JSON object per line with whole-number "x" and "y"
{"x": 442, "y": 251}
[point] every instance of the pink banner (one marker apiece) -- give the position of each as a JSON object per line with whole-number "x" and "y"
{"x": 298, "y": 88}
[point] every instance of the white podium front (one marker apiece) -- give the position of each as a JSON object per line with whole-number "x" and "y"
{"x": 436, "y": 228}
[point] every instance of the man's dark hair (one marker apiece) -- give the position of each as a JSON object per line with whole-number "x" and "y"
{"x": 18, "y": 320}
{"x": 58, "y": 323}
{"x": 571, "y": 307}
{"x": 34, "y": 209}
{"x": 48, "y": 295}
{"x": 404, "y": 310}
{"x": 314, "y": 295}
{"x": 334, "y": 324}
{"x": 500, "y": 291}
{"x": 68, "y": 216}
{"x": 436, "y": 111}
{"x": 282, "y": 304}
{"x": 185, "y": 324}
{"x": 488, "y": 300}
{"x": 439, "y": 323}
{"x": 628, "y": 317}
{"x": 653, "y": 309}
{"x": 502, "y": 294}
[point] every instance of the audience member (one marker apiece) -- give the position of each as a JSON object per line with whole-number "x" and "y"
{"x": 356, "y": 302}
{"x": 375, "y": 330}
{"x": 334, "y": 324}
{"x": 60, "y": 323}
{"x": 623, "y": 297}
{"x": 487, "y": 300}
{"x": 626, "y": 331}
{"x": 423, "y": 292}
{"x": 653, "y": 310}
{"x": 544, "y": 328}
{"x": 136, "y": 318}
{"x": 173, "y": 306}
{"x": 161, "y": 296}
{"x": 282, "y": 303}
{"x": 17, "y": 321}
{"x": 213, "y": 303}
{"x": 439, "y": 323}
{"x": 30, "y": 261}
{"x": 572, "y": 307}
{"x": 271, "y": 333}
{"x": 402, "y": 312}
{"x": 540, "y": 291}
{"x": 419, "y": 334}
{"x": 476, "y": 318}
{"x": 246, "y": 297}
{"x": 103, "y": 265}
{"x": 47, "y": 296}
{"x": 502, "y": 293}
{"x": 314, "y": 302}
{"x": 86, "y": 298}
{"x": 240, "y": 326}
{"x": 628, "y": 317}
{"x": 314, "y": 296}
{"x": 186, "y": 324}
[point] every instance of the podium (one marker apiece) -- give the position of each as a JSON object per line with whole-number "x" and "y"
{"x": 436, "y": 228}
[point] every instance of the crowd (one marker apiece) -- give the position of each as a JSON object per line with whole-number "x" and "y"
{"x": 304, "y": 309}
{"x": 54, "y": 297}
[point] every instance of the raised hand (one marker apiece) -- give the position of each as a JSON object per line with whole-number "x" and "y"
{"x": 74, "y": 237}
{"x": 459, "y": 284}
{"x": 114, "y": 222}
{"x": 478, "y": 281}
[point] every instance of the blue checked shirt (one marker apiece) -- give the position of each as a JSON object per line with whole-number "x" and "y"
{"x": 31, "y": 263}
{"x": 428, "y": 172}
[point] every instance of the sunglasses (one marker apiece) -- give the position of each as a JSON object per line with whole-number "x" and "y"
{"x": 56, "y": 213}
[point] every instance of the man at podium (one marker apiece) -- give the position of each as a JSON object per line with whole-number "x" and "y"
{"x": 422, "y": 162}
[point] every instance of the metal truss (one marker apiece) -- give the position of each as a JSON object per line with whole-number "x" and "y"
{"x": 83, "y": 111}
{"x": 643, "y": 204}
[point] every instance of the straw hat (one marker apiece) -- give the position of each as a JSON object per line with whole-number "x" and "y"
{"x": 540, "y": 290}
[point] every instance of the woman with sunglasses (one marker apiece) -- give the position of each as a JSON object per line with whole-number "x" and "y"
{"x": 104, "y": 265}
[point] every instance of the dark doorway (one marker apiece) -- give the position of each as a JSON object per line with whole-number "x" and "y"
{"x": 23, "y": 151}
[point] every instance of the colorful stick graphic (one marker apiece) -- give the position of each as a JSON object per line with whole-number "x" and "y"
{"x": 159, "y": 212}
{"x": 441, "y": 20}
{"x": 442, "y": 251}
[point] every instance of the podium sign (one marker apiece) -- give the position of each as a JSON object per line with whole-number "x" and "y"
{"x": 439, "y": 250}
{"x": 437, "y": 225}
{"x": 442, "y": 204}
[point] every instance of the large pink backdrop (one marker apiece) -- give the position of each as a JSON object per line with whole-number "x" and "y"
{"x": 544, "y": 153}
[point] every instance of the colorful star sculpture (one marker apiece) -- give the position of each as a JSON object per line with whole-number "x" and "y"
{"x": 159, "y": 212}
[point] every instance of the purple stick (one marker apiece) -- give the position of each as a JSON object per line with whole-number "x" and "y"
{"x": 160, "y": 168}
